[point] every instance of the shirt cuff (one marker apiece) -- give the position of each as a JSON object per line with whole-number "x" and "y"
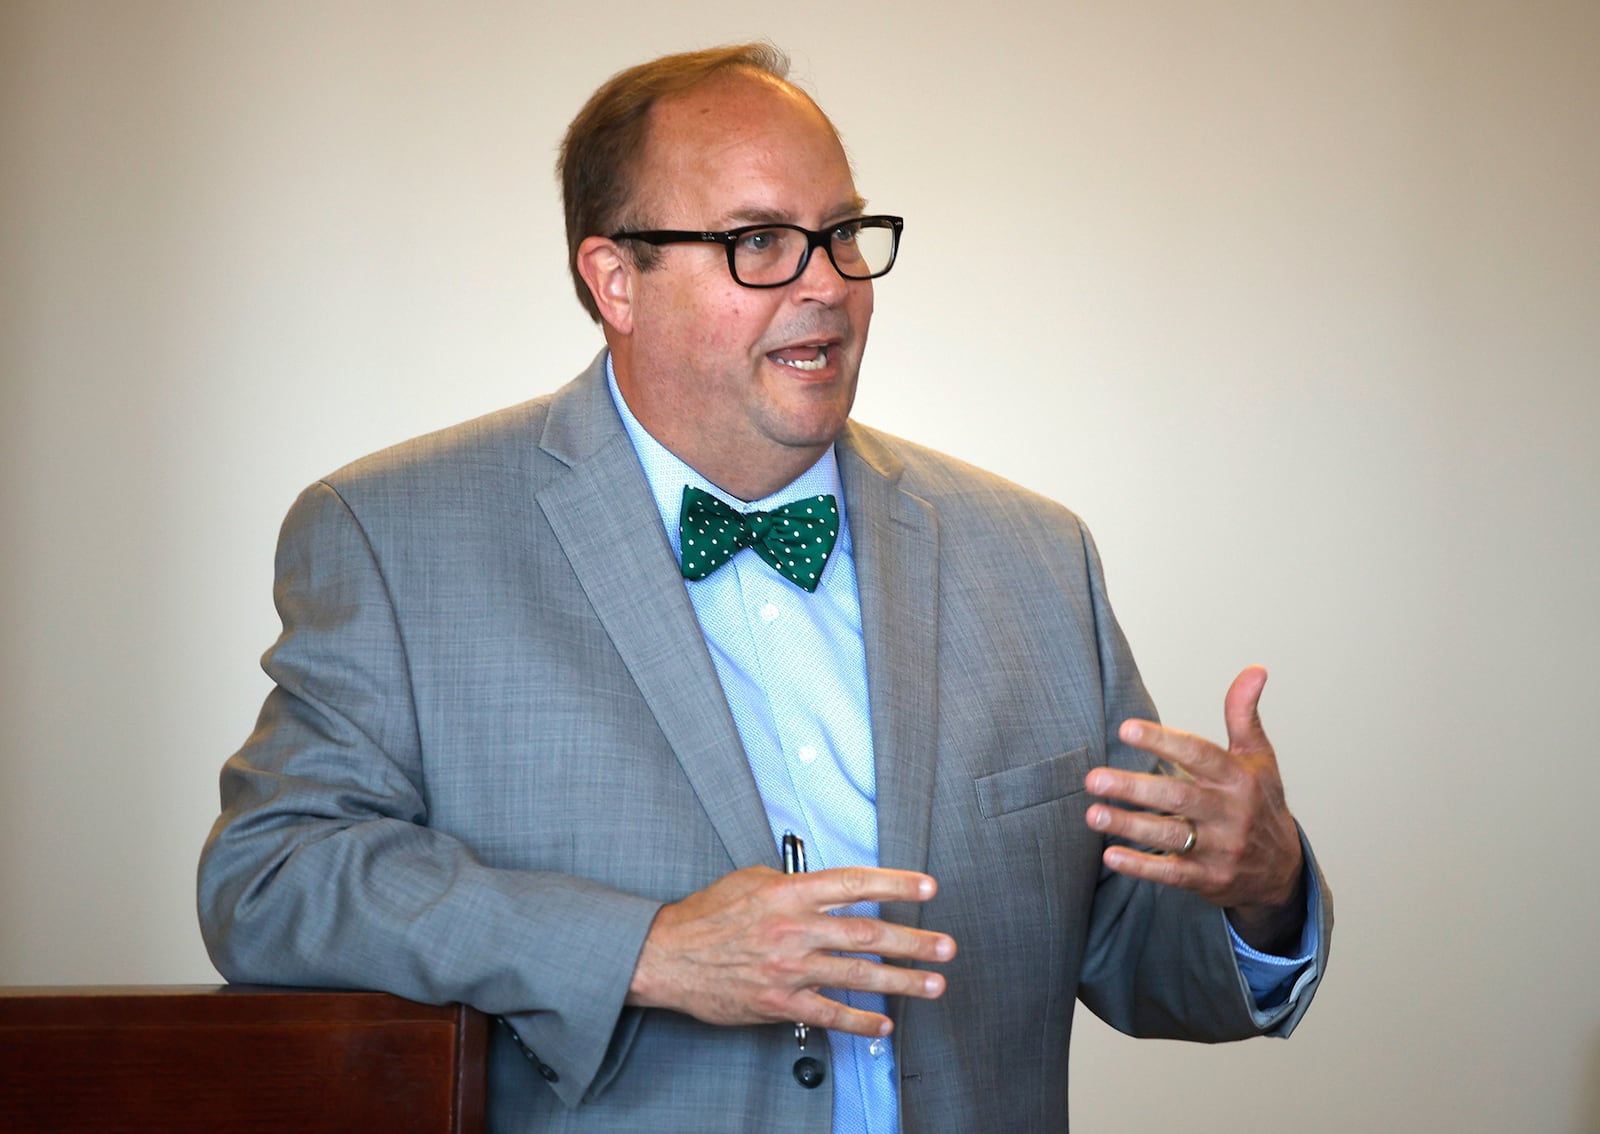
{"x": 1274, "y": 981}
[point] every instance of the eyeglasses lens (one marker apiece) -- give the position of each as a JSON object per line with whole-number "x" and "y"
{"x": 768, "y": 256}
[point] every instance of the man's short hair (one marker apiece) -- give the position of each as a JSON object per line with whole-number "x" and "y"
{"x": 600, "y": 154}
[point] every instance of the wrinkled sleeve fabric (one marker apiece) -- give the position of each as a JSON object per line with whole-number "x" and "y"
{"x": 1161, "y": 962}
{"x": 322, "y": 869}
{"x": 1275, "y": 983}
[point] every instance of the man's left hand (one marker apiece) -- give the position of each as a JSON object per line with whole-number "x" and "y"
{"x": 1244, "y": 854}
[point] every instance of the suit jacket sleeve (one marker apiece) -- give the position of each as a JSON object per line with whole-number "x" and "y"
{"x": 1159, "y": 961}
{"x": 322, "y": 869}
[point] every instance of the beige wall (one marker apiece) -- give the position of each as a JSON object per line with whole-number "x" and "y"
{"x": 1298, "y": 304}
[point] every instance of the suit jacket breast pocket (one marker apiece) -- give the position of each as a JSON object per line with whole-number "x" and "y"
{"x": 1014, "y": 789}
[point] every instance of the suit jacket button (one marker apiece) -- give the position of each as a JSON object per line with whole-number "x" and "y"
{"x": 809, "y": 1072}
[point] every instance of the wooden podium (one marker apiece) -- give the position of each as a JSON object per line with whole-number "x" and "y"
{"x": 237, "y": 1060}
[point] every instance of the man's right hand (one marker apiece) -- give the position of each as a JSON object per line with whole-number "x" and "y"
{"x": 756, "y": 946}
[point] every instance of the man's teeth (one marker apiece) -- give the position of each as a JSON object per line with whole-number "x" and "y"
{"x": 816, "y": 363}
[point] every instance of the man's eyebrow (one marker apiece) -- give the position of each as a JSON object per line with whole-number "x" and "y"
{"x": 853, "y": 207}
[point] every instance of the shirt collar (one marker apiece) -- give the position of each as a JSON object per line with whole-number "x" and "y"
{"x": 667, "y": 475}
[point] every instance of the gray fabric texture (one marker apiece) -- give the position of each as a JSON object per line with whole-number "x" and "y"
{"x": 497, "y": 745}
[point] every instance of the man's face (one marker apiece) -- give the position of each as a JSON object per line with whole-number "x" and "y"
{"x": 747, "y": 386}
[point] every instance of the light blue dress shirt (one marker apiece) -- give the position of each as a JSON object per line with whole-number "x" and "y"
{"x": 793, "y": 667}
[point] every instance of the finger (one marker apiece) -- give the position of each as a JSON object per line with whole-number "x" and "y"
{"x": 1194, "y": 754}
{"x": 883, "y": 938}
{"x": 1166, "y": 833}
{"x": 864, "y": 974}
{"x": 847, "y": 885}
{"x": 1240, "y": 709}
{"x": 825, "y": 1012}
{"x": 1156, "y": 793}
{"x": 1163, "y": 869}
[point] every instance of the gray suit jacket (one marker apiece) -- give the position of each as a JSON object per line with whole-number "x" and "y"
{"x": 498, "y": 744}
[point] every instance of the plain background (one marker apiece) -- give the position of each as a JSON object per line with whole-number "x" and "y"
{"x": 1297, "y": 303}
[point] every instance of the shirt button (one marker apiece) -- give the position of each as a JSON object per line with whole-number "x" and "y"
{"x": 877, "y": 1047}
{"x": 807, "y": 754}
{"x": 770, "y": 612}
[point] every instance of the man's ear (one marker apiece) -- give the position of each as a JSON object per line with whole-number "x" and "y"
{"x": 610, "y": 276}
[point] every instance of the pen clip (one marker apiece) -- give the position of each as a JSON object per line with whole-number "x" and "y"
{"x": 794, "y": 862}
{"x": 794, "y": 854}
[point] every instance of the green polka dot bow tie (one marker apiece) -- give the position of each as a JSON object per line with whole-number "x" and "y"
{"x": 795, "y": 539}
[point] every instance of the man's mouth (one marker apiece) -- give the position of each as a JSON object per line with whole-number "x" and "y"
{"x": 813, "y": 357}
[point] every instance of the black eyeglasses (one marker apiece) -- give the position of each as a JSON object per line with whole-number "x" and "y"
{"x": 771, "y": 255}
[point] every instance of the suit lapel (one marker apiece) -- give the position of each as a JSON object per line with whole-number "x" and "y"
{"x": 603, "y": 504}
{"x": 602, "y": 513}
{"x": 896, "y": 548}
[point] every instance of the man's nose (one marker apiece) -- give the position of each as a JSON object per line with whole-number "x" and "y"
{"x": 820, "y": 280}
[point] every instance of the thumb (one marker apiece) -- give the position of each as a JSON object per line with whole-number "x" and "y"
{"x": 1239, "y": 710}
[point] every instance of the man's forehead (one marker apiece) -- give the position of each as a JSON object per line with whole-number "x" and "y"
{"x": 738, "y": 83}
{"x": 745, "y": 124}
{"x": 742, "y": 214}
{"x": 734, "y": 101}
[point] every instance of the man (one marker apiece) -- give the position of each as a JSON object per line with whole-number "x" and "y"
{"x": 548, "y": 705}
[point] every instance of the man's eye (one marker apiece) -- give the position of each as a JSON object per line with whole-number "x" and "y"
{"x": 845, "y": 233}
{"x": 761, "y": 241}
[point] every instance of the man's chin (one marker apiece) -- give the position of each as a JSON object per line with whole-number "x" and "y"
{"x": 813, "y": 423}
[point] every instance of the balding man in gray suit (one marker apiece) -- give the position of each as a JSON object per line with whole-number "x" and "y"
{"x": 556, "y": 685}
